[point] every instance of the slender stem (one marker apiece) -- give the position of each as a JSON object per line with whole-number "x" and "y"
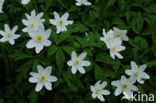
{"x": 60, "y": 2}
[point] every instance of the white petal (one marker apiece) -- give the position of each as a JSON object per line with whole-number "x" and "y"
{"x": 104, "y": 84}
{"x": 128, "y": 94}
{"x": 65, "y": 16}
{"x": 133, "y": 65}
{"x": 31, "y": 44}
{"x": 40, "y": 69}
{"x": 85, "y": 63}
{"x": 105, "y": 92}
{"x": 93, "y": 95}
{"x": 52, "y": 79}
{"x": 129, "y": 72}
{"x": 33, "y": 13}
{"x": 39, "y": 86}
{"x": 118, "y": 91}
{"x": 15, "y": 36}
{"x": 7, "y": 28}
{"x": 82, "y": 56}
{"x": 69, "y": 63}
{"x": 115, "y": 83}
{"x": 40, "y": 15}
{"x": 3, "y": 39}
{"x": 78, "y": 4}
{"x": 134, "y": 88}
{"x": 87, "y": 3}
{"x": 25, "y": 22}
{"x": 48, "y": 85}
{"x": 14, "y": 29}
{"x": 73, "y": 69}
{"x": 12, "y": 42}
{"x": 2, "y": 33}
{"x": 33, "y": 80}
{"x": 58, "y": 31}
{"x": 47, "y": 43}
{"x": 92, "y": 88}
{"x": 25, "y": 29}
{"x": 34, "y": 74}
{"x": 101, "y": 97}
{"x": 69, "y": 22}
{"x": 112, "y": 54}
{"x": 48, "y": 32}
{"x": 56, "y": 16}
{"x": 81, "y": 69}
{"x": 38, "y": 48}
{"x": 132, "y": 79}
{"x": 140, "y": 80}
{"x": 145, "y": 75}
{"x": 53, "y": 21}
{"x": 143, "y": 67}
{"x": 119, "y": 55}
{"x": 48, "y": 70}
{"x": 73, "y": 55}
{"x": 97, "y": 83}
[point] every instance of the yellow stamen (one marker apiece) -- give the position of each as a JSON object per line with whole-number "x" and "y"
{"x": 125, "y": 87}
{"x": 9, "y": 35}
{"x": 42, "y": 78}
{"x": 39, "y": 38}
{"x": 77, "y": 62}
{"x": 98, "y": 91}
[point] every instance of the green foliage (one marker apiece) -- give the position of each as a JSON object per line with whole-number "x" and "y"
{"x": 136, "y": 16}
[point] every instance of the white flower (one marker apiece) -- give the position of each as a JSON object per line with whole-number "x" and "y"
{"x": 82, "y": 2}
{"x": 107, "y": 37}
{"x": 120, "y": 34}
{"x": 61, "y": 22}
{"x": 138, "y": 72}
{"x": 42, "y": 78}
{"x": 124, "y": 85}
{"x": 116, "y": 47}
{"x": 24, "y": 2}
{"x": 9, "y": 35}
{"x": 77, "y": 63}
{"x": 98, "y": 90}
{"x": 33, "y": 22}
{"x": 39, "y": 39}
{"x": 1, "y": 6}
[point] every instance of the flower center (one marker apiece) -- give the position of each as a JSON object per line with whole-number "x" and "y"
{"x": 137, "y": 73}
{"x": 115, "y": 48}
{"x": 98, "y": 91}
{"x": 61, "y": 22}
{"x": 42, "y": 78}
{"x": 109, "y": 37}
{"x": 39, "y": 38}
{"x": 77, "y": 62}
{"x": 9, "y": 34}
{"x": 125, "y": 87}
{"x": 81, "y": 1}
{"x": 117, "y": 35}
{"x": 32, "y": 25}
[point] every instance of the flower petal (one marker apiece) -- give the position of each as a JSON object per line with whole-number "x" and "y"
{"x": 118, "y": 91}
{"x": 82, "y": 56}
{"x": 39, "y": 86}
{"x": 40, "y": 69}
{"x": 48, "y": 85}
{"x": 81, "y": 69}
{"x": 85, "y": 63}
{"x": 33, "y": 80}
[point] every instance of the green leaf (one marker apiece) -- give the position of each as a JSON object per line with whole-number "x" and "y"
{"x": 52, "y": 50}
{"x": 60, "y": 59}
{"x": 33, "y": 97}
{"x": 140, "y": 22}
